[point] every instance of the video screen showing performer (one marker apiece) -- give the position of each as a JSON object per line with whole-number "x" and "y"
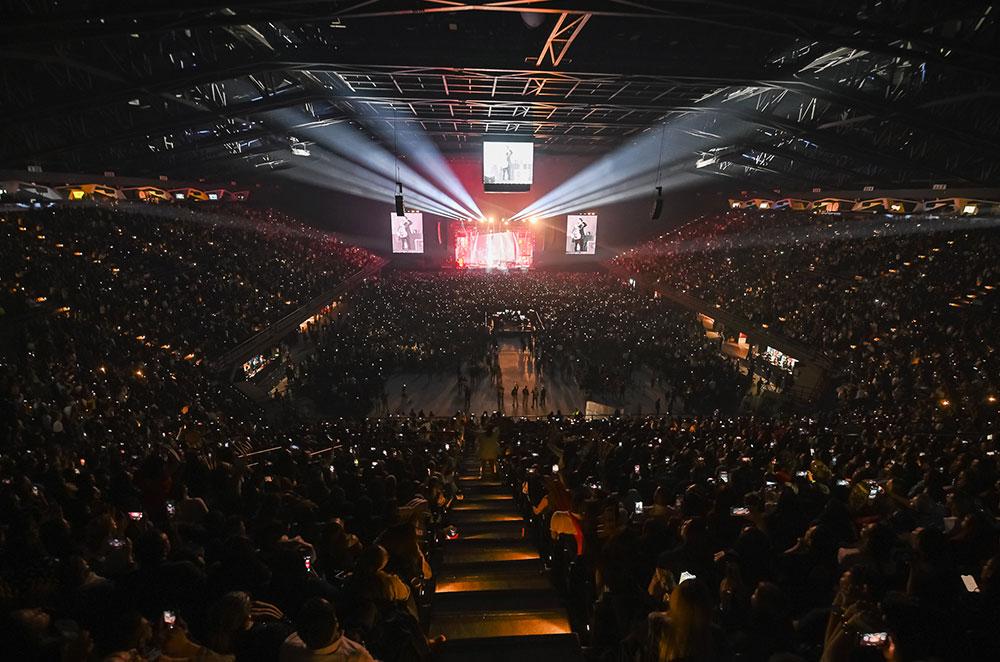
{"x": 407, "y": 232}
{"x": 581, "y": 234}
{"x": 507, "y": 165}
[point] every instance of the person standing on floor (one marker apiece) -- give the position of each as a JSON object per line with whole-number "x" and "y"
{"x": 489, "y": 449}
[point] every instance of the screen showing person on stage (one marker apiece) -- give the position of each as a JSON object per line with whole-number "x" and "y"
{"x": 407, "y": 232}
{"x": 581, "y": 234}
{"x": 493, "y": 250}
{"x": 507, "y": 164}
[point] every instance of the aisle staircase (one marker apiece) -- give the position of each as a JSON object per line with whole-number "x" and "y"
{"x": 494, "y": 600}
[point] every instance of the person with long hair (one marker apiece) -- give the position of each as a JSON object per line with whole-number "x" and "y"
{"x": 685, "y": 633}
{"x": 372, "y": 582}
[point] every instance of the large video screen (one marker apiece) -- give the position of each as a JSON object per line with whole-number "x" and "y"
{"x": 581, "y": 234}
{"x": 407, "y": 232}
{"x": 493, "y": 250}
{"x": 507, "y": 164}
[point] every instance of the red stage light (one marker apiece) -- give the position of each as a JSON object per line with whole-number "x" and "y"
{"x": 511, "y": 249}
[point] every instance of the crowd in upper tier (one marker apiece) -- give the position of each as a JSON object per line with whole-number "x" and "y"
{"x": 905, "y": 306}
{"x": 134, "y": 525}
{"x": 200, "y": 282}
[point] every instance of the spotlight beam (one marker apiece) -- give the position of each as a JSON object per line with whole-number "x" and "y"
{"x": 630, "y": 165}
{"x": 351, "y": 144}
{"x": 416, "y": 144}
{"x": 370, "y": 186}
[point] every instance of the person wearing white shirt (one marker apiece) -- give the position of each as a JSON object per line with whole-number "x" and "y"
{"x": 318, "y": 637}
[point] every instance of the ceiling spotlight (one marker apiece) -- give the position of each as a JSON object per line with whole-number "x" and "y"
{"x": 533, "y": 219}
{"x": 299, "y": 148}
{"x": 399, "y": 200}
{"x": 657, "y": 204}
{"x": 532, "y": 19}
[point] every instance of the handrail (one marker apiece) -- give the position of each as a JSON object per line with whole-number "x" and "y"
{"x": 311, "y": 454}
{"x": 263, "y": 450}
{"x": 796, "y": 348}
{"x": 324, "y": 450}
{"x": 282, "y": 326}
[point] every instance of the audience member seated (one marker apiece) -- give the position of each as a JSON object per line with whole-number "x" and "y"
{"x": 147, "y": 513}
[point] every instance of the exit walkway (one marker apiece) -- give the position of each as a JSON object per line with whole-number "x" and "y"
{"x": 494, "y": 600}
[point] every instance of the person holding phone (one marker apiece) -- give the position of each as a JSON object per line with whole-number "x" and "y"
{"x": 854, "y": 614}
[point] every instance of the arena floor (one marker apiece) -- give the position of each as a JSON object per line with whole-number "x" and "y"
{"x": 440, "y": 393}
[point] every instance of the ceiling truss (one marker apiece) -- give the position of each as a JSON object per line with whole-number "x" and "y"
{"x": 853, "y": 93}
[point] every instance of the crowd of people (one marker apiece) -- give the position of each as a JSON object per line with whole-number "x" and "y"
{"x": 147, "y": 512}
{"x": 137, "y": 523}
{"x": 184, "y": 549}
{"x": 199, "y": 282}
{"x": 711, "y": 538}
{"x": 902, "y": 305}
{"x": 596, "y": 332}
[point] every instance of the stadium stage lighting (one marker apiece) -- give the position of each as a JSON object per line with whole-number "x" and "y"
{"x": 399, "y": 200}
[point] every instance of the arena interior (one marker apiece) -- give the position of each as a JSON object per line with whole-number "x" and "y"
{"x": 411, "y": 330}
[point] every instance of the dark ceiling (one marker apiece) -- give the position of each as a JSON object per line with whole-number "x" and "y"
{"x": 823, "y": 93}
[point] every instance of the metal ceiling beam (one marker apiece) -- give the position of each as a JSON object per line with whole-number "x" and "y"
{"x": 837, "y": 143}
{"x": 231, "y": 70}
{"x": 796, "y": 156}
{"x": 768, "y": 19}
{"x": 457, "y": 104}
{"x": 558, "y": 38}
{"x": 898, "y": 111}
{"x": 742, "y": 160}
{"x": 207, "y": 118}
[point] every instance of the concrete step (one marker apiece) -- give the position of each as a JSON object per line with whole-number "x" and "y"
{"x": 486, "y": 496}
{"x": 478, "y": 488}
{"x": 462, "y": 517}
{"x": 494, "y": 577}
{"x": 466, "y": 542}
{"x": 497, "y": 600}
{"x": 480, "y": 624}
{"x": 551, "y": 648}
{"x": 475, "y": 502}
{"x": 487, "y": 551}
{"x": 493, "y": 535}
{"x": 474, "y": 479}
{"x": 512, "y": 529}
